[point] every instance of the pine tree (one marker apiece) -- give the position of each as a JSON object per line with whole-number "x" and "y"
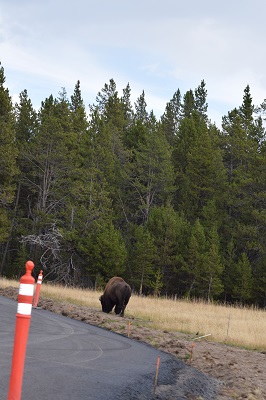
{"x": 107, "y": 131}
{"x": 142, "y": 260}
{"x": 247, "y": 108}
{"x": 213, "y": 265}
{"x": 170, "y": 233}
{"x": 244, "y": 158}
{"x": 51, "y": 152}
{"x": 141, "y": 113}
{"x": 25, "y": 127}
{"x": 171, "y": 118}
{"x": 194, "y": 267}
{"x": 105, "y": 251}
{"x": 244, "y": 280}
{"x": 198, "y": 162}
{"x": 8, "y": 155}
{"x": 205, "y": 173}
{"x": 26, "y": 120}
{"x": 127, "y": 107}
{"x": 188, "y": 106}
{"x": 229, "y": 273}
{"x": 150, "y": 175}
{"x": 243, "y": 162}
{"x": 78, "y": 113}
{"x": 200, "y": 100}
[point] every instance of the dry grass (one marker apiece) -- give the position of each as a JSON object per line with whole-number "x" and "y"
{"x": 4, "y": 283}
{"x": 233, "y": 325}
{"x": 243, "y": 327}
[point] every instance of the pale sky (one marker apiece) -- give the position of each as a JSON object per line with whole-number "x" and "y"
{"x": 154, "y": 45}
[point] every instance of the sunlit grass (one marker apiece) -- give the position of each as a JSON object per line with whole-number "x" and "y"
{"x": 238, "y": 326}
{"x": 4, "y": 283}
{"x": 83, "y": 297}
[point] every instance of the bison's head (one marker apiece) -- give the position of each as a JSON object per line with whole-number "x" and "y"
{"x": 107, "y": 305}
{"x": 103, "y": 303}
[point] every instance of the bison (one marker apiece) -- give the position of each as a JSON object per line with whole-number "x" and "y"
{"x": 116, "y": 294}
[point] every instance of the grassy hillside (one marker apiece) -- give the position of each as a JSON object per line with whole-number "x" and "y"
{"x": 239, "y": 326}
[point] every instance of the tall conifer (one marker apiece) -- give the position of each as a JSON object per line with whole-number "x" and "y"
{"x": 8, "y": 154}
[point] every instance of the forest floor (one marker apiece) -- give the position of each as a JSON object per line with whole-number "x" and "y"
{"x": 242, "y": 373}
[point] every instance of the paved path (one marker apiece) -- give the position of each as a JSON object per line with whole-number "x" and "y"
{"x": 68, "y": 359}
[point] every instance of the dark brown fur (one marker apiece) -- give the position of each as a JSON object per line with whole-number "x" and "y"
{"x": 116, "y": 294}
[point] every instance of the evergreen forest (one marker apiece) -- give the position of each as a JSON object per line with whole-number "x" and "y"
{"x": 176, "y": 206}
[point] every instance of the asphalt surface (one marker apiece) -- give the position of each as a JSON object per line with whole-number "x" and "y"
{"x": 68, "y": 359}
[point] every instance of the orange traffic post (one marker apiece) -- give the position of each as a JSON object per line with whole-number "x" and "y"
{"x": 23, "y": 317}
{"x": 191, "y": 351}
{"x": 156, "y": 372}
{"x": 38, "y": 288}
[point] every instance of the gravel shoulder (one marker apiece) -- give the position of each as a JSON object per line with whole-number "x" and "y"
{"x": 240, "y": 373}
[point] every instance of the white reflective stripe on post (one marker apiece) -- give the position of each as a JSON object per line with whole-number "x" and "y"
{"x": 39, "y": 280}
{"x": 26, "y": 289}
{"x": 24, "y": 308}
